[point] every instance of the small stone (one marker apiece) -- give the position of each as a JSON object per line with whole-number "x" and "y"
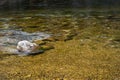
{"x": 47, "y": 47}
{"x": 64, "y": 79}
{"x": 39, "y": 42}
{"x": 26, "y": 46}
{"x": 27, "y": 17}
{"x": 49, "y": 39}
{"x": 101, "y": 17}
{"x": 66, "y": 31}
{"x": 69, "y": 36}
{"x": 28, "y": 76}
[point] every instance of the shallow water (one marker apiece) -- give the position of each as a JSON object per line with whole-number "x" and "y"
{"x": 15, "y": 25}
{"x": 13, "y": 36}
{"x": 9, "y": 38}
{"x": 87, "y": 44}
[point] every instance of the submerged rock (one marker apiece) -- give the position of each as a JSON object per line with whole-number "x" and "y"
{"x": 39, "y": 42}
{"x": 9, "y": 39}
{"x": 47, "y": 47}
{"x": 26, "y": 46}
{"x": 113, "y": 42}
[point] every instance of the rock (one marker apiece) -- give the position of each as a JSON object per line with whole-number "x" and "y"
{"x": 28, "y": 76}
{"x": 26, "y": 46}
{"x": 113, "y": 42}
{"x": 39, "y": 42}
{"x": 47, "y": 47}
{"x": 5, "y": 19}
{"x": 69, "y": 36}
{"x": 101, "y": 17}
{"x": 27, "y": 18}
{"x": 49, "y": 39}
{"x": 67, "y": 31}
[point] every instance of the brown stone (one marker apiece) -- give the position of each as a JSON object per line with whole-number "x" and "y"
{"x": 39, "y": 42}
{"x": 47, "y": 47}
{"x": 49, "y": 39}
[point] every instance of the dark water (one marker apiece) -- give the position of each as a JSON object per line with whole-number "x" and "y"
{"x": 35, "y": 4}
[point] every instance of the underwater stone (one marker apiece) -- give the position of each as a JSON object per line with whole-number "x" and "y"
{"x": 25, "y": 42}
{"x": 51, "y": 39}
{"x": 39, "y": 42}
{"x": 26, "y": 46}
{"x": 47, "y": 47}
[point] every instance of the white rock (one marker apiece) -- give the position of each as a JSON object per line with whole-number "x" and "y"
{"x": 26, "y": 46}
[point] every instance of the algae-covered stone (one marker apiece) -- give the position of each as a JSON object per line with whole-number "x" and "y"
{"x": 113, "y": 42}
{"x": 26, "y": 18}
{"x": 49, "y": 39}
{"x": 47, "y": 47}
{"x": 39, "y": 42}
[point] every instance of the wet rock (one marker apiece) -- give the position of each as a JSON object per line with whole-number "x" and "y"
{"x": 26, "y": 18}
{"x": 28, "y": 76}
{"x": 51, "y": 39}
{"x": 67, "y": 31}
{"x": 101, "y": 17}
{"x": 5, "y": 19}
{"x": 26, "y": 46}
{"x": 113, "y": 42}
{"x": 39, "y": 42}
{"x": 69, "y": 35}
{"x": 63, "y": 37}
{"x": 47, "y": 47}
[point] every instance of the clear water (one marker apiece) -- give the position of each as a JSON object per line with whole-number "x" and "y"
{"x": 10, "y": 33}
{"x": 14, "y": 36}
{"x": 92, "y": 49}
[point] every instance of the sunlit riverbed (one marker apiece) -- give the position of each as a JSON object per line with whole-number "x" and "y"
{"x": 87, "y": 44}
